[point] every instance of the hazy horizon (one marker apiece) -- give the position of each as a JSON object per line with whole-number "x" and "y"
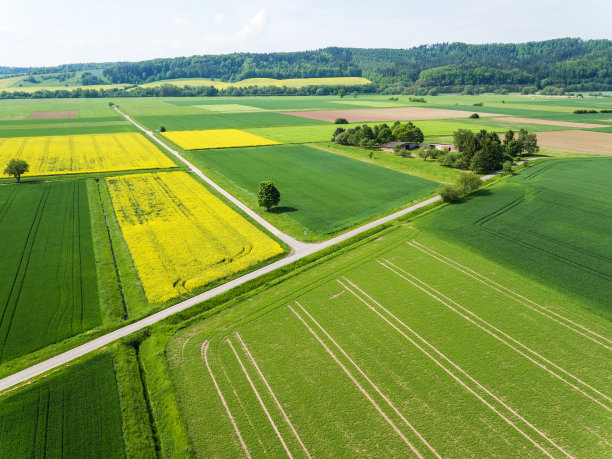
{"x": 35, "y": 33}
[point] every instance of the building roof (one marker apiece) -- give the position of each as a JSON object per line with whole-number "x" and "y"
{"x": 394, "y": 144}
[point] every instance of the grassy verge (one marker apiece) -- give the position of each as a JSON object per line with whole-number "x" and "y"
{"x": 112, "y": 303}
{"x": 137, "y": 433}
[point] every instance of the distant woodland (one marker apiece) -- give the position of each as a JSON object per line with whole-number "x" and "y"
{"x": 552, "y": 66}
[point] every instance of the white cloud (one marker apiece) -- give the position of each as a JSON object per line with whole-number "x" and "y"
{"x": 255, "y": 26}
{"x": 219, "y": 18}
{"x": 181, "y": 21}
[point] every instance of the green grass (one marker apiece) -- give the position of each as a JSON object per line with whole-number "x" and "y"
{"x": 48, "y": 287}
{"x": 329, "y": 412}
{"x": 551, "y": 223}
{"x": 74, "y": 413}
{"x": 321, "y": 193}
{"x": 223, "y": 120}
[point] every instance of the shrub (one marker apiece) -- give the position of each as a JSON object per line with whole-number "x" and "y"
{"x": 474, "y": 115}
{"x": 162, "y": 129}
{"x": 468, "y": 182}
{"x": 449, "y": 193}
{"x": 341, "y": 121}
{"x": 507, "y": 166}
{"x": 478, "y": 104}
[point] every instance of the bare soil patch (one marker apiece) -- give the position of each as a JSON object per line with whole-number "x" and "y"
{"x": 590, "y": 142}
{"x": 510, "y": 119}
{"x": 386, "y": 114}
{"x": 53, "y": 115}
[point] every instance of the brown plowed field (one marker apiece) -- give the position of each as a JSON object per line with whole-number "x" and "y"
{"x": 510, "y": 119}
{"x": 385, "y": 114}
{"x": 591, "y": 142}
{"x": 53, "y": 115}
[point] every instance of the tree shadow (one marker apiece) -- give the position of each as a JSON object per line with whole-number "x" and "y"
{"x": 282, "y": 210}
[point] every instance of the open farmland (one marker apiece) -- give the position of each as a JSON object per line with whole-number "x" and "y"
{"x": 550, "y": 222}
{"x": 181, "y": 237}
{"x": 84, "y": 153}
{"x": 72, "y": 414}
{"x": 48, "y": 286}
{"x": 216, "y": 138}
{"x": 321, "y": 192}
{"x": 577, "y": 141}
{"x": 53, "y": 115}
{"x": 407, "y": 345}
{"x": 385, "y": 114}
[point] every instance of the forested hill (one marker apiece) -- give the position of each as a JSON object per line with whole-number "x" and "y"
{"x": 571, "y": 63}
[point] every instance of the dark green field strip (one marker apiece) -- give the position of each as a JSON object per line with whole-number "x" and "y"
{"x": 550, "y": 222}
{"x": 112, "y": 118}
{"x": 48, "y": 288}
{"x": 320, "y": 191}
{"x": 93, "y": 128}
{"x": 526, "y": 388}
{"x": 72, "y": 414}
{"x": 223, "y": 121}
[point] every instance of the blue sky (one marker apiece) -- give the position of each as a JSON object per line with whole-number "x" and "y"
{"x": 36, "y": 32}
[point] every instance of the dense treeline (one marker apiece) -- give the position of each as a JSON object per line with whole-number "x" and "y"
{"x": 168, "y": 90}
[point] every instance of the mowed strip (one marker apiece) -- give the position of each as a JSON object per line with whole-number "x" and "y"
{"x": 569, "y": 124}
{"x": 385, "y": 114}
{"x": 182, "y": 237}
{"x": 216, "y": 138}
{"x": 76, "y": 154}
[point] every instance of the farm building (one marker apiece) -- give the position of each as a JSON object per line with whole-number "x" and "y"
{"x": 390, "y": 146}
{"x": 440, "y": 146}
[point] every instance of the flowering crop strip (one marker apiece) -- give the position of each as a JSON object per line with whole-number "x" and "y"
{"x": 216, "y": 138}
{"x": 181, "y": 237}
{"x": 74, "y": 154}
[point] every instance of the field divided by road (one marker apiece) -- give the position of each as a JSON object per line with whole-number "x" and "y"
{"x": 71, "y": 414}
{"x": 48, "y": 282}
{"x": 321, "y": 193}
{"x": 551, "y": 222}
{"x": 391, "y": 350}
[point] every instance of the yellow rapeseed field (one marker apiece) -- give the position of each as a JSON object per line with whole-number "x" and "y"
{"x": 72, "y": 154}
{"x": 181, "y": 237}
{"x": 216, "y": 138}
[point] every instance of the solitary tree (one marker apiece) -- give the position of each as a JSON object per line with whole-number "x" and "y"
{"x": 16, "y": 168}
{"x": 268, "y": 195}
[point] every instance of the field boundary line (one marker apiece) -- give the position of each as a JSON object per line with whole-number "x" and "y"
{"x": 359, "y": 386}
{"x": 508, "y": 292}
{"x": 263, "y": 406}
{"x": 469, "y": 319}
{"x": 263, "y": 378}
{"x": 376, "y": 388}
{"x": 455, "y": 377}
{"x": 204, "y": 355}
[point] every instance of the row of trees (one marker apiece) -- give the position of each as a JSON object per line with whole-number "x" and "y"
{"x": 366, "y": 136}
{"x": 484, "y": 152}
{"x": 169, "y": 90}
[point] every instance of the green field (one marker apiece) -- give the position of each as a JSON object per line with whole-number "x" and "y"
{"x": 391, "y": 348}
{"x": 321, "y": 193}
{"x": 71, "y": 414}
{"x": 550, "y": 222}
{"x": 48, "y": 286}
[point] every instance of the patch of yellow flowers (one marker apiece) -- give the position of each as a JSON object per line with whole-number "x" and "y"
{"x": 216, "y": 138}
{"x": 181, "y": 237}
{"x": 73, "y": 154}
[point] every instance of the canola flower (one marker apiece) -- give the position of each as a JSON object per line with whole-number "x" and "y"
{"x": 182, "y": 237}
{"x": 72, "y": 154}
{"x": 216, "y": 138}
